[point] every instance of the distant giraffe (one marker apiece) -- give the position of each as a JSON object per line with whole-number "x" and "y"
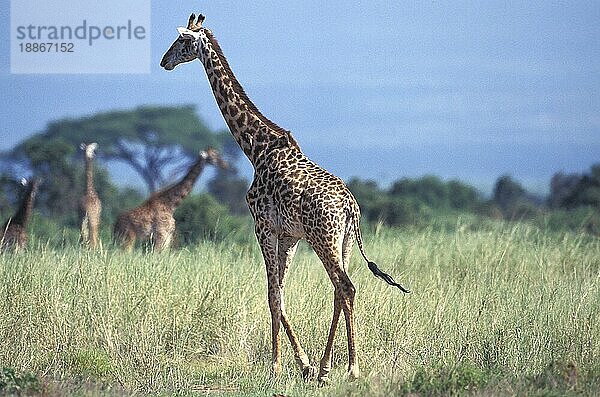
{"x": 154, "y": 218}
{"x": 290, "y": 198}
{"x": 90, "y": 206}
{"x": 13, "y": 234}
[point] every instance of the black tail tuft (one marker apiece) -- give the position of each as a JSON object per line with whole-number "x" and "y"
{"x": 385, "y": 277}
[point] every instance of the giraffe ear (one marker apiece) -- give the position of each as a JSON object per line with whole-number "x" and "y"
{"x": 82, "y": 146}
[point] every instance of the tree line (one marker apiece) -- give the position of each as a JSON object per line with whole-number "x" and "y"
{"x": 572, "y": 203}
{"x": 157, "y": 143}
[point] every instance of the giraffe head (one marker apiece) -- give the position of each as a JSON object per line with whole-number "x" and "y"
{"x": 89, "y": 149}
{"x": 213, "y": 157}
{"x": 185, "y": 47}
{"x": 31, "y": 185}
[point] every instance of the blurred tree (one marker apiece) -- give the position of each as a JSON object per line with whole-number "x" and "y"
{"x": 9, "y": 188}
{"x": 227, "y": 186}
{"x": 51, "y": 160}
{"x": 401, "y": 210}
{"x": 513, "y": 200}
{"x": 462, "y": 196}
{"x": 508, "y": 192}
{"x": 151, "y": 139}
{"x": 230, "y": 189}
{"x": 429, "y": 189}
{"x": 410, "y": 201}
{"x": 561, "y": 187}
{"x": 587, "y": 191}
{"x": 60, "y": 165}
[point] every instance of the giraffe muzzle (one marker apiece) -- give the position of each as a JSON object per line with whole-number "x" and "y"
{"x": 166, "y": 64}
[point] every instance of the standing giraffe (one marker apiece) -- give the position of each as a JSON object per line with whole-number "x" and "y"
{"x": 14, "y": 231}
{"x": 154, "y": 218}
{"x": 90, "y": 206}
{"x": 290, "y": 198}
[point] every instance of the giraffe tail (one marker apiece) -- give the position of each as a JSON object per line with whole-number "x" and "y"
{"x": 372, "y": 265}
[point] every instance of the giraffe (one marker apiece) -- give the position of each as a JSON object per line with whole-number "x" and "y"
{"x": 290, "y": 198}
{"x": 154, "y": 218}
{"x": 90, "y": 205}
{"x": 13, "y": 235}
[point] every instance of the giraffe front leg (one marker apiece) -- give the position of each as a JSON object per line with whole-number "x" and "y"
{"x": 308, "y": 371}
{"x": 84, "y": 230}
{"x": 268, "y": 248}
{"x": 94, "y": 224}
{"x": 275, "y": 308}
{"x": 162, "y": 241}
{"x": 164, "y": 234}
{"x": 127, "y": 240}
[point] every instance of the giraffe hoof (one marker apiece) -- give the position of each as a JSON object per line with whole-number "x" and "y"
{"x": 323, "y": 381}
{"x": 276, "y": 369}
{"x": 353, "y": 373}
{"x": 309, "y": 372}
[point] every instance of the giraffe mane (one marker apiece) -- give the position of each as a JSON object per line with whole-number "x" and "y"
{"x": 240, "y": 90}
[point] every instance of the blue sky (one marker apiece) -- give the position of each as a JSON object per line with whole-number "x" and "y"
{"x": 377, "y": 89}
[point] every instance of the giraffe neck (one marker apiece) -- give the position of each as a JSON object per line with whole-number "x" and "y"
{"x": 89, "y": 176}
{"x": 23, "y": 214}
{"x": 241, "y": 115}
{"x": 173, "y": 195}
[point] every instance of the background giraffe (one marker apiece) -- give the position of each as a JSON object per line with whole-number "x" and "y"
{"x": 90, "y": 206}
{"x": 290, "y": 198}
{"x": 13, "y": 234}
{"x": 154, "y": 218}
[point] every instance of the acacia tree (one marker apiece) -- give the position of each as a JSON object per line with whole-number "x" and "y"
{"x": 154, "y": 141}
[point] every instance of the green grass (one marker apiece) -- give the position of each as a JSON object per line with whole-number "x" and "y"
{"x": 496, "y": 309}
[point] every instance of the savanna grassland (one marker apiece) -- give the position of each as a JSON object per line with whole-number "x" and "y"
{"x": 497, "y": 309}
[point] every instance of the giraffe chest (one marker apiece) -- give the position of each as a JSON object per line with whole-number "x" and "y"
{"x": 275, "y": 201}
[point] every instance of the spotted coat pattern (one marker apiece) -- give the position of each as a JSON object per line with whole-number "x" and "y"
{"x": 13, "y": 235}
{"x": 90, "y": 206}
{"x": 290, "y": 198}
{"x": 154, "y": 219}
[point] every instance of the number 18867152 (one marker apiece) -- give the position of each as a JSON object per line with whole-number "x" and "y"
{"x": 47, "y": 47}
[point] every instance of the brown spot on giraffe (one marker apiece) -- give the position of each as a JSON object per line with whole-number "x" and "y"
{"x": 90, "y": 206}
{"x": 13, "y": 235}
{"x": 153, "y": 219}
{"x": 290, "y": 198}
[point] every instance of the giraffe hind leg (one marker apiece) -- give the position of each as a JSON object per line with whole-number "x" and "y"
{"x": 125, "y": 237}
{"x": 344, "y": 292}
{"x": 325, "y": 365}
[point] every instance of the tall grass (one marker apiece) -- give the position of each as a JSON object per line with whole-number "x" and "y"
{"x": 502, "y": 309}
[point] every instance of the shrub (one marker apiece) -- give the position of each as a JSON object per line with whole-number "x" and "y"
{"x": 201, "y": 217}
{"x": 13, "y": 382}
